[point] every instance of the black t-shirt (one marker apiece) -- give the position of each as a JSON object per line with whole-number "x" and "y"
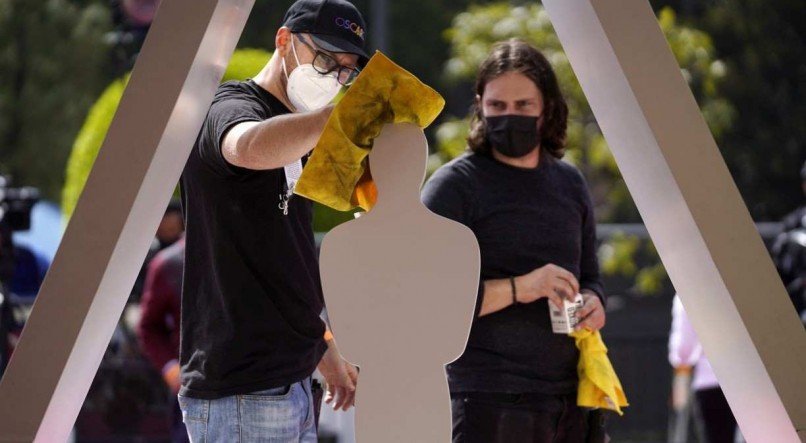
{"x": 251, "y": 298}
{"x": 523, "y": 220}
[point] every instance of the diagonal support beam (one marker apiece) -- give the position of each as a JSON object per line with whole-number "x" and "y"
{"x": 692, "y": 209}
{"x": 170, "y": 90}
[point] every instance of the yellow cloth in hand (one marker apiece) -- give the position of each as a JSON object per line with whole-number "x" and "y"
{"x": 337, "y": 173}
{"x": 599, "y": 386}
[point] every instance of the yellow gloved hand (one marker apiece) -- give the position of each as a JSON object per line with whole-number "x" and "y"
{"x": 337, "y": 173}
{"x": 599, "y": 386}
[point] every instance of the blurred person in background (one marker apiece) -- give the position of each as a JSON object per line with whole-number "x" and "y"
{"x": 789, "y": 254}
{"x": 693, "y": 373}
{"x": 158, "y": 329}
{"x": 170, "y": 229}
{"x": 533, "y": 217}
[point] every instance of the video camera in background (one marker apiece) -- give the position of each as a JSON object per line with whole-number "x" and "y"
{"x": 16, "y": 205}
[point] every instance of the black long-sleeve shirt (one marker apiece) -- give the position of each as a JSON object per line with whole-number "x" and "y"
{"x": 523, "y": 219}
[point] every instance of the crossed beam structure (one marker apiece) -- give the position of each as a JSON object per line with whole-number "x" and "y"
{"x": 692, "y": 209}
{"x": 665, "y": 152}
{"x": 181, "y": 63}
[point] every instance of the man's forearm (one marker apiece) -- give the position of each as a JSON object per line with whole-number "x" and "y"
{"x": 278, "y": 141}
{"x": 497, "y": 296}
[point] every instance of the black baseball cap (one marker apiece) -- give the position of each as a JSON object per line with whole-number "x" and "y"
{"x": 334, "y": 25}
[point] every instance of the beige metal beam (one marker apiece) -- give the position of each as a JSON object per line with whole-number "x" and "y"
{"x": 692, "y": 209}
{"x": 171, "y": 87}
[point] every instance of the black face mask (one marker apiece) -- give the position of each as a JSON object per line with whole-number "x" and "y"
{"x": 512, "y": 135}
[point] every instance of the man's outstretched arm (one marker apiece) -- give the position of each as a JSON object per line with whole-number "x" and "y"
{"x": 275, "y": 142}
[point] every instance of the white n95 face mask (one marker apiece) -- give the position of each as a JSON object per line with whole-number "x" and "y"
{"x": 307, "y": 89}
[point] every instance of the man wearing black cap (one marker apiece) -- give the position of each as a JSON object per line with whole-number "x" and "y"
{"x": 251, "y": 331}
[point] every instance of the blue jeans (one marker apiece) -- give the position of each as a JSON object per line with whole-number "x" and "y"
{"x": 278, "y": 415}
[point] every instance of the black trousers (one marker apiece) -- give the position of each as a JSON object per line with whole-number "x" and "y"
{"x": 179, "y": 434}
{"x": 517, "y": 418}
{"x": 720, "y": 425}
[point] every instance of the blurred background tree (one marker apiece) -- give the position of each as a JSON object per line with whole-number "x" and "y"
{"x": 52, "y": 67}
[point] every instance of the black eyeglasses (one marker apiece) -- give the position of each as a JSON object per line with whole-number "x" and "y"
{"x": 325, "y": 64}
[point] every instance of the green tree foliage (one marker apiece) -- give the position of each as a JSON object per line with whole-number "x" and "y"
{"x": 620, "y": 256}
{"x": 51, "y": 69}
{"x": 244, "y": 64}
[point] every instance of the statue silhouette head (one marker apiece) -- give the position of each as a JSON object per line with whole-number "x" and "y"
{"x": 398, "y": 161}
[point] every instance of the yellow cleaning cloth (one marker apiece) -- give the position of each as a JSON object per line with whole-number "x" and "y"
{"x": 599, "y": 386}
{"x": 337, "y": 173}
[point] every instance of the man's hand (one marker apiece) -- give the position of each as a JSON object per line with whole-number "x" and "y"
{"x": 550, "y": 281}
{"x": 592, "y": 314}
{"x": 341, "y": 378}
{"x": 170, "y": 373}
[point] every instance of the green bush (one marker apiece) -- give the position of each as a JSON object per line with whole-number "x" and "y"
{"x": 53, "y": 63}
{"x": 245, "y": 63}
